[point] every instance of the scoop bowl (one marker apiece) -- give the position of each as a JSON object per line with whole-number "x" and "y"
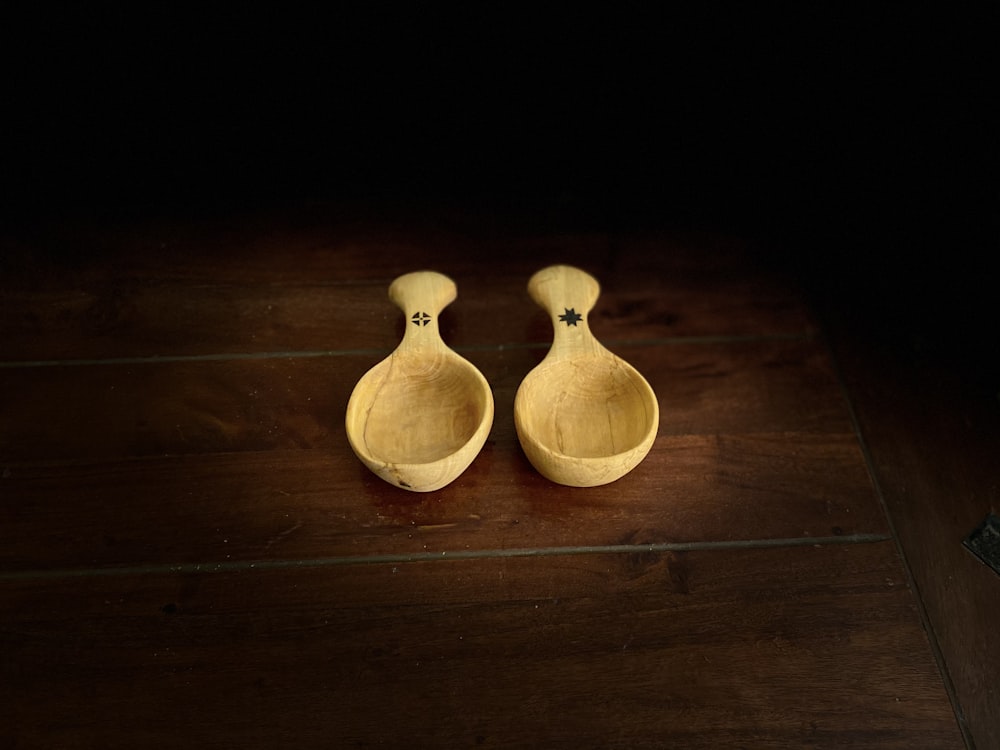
{"x": 419, "y": 417}
{"x": 584, "y": 416}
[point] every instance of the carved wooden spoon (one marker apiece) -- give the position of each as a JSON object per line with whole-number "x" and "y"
{"x": 584, "y": 416}
{"x": 419, "y": 417}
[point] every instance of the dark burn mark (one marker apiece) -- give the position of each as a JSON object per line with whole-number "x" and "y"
{"x": 640, "y": 562}
{"x": 571, "y": 317}
{"x": 679, "y": 573}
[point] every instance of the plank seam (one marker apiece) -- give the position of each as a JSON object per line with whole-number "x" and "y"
{"x": 231, "y": 566}
{"x": 319, "y": 353}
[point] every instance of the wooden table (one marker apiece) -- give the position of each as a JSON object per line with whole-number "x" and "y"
{"x": 193, "y": 556}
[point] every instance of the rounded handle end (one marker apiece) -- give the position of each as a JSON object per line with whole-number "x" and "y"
{"x": 559, "y": 287}
{"x": 423, "y": 292}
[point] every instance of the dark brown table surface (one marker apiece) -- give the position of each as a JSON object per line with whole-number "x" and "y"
{"x": 191, "y": 554}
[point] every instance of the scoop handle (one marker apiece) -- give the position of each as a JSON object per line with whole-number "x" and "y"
{"x": 422, "y": 295}
{"x": 568, "y": 295}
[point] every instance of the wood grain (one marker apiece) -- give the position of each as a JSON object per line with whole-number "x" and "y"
{"x": 98, "y": 411}
{"x": 139, "y": 300}
{"x": 129, "y": 320}
{"x": 299, "y": 504}
{"x": 700, "y": 650}
{"x": 419, "y": 417}
{"x": 584, "y": 416}
{"x": 191, "y": 553}
{"x": 933, "y": 432}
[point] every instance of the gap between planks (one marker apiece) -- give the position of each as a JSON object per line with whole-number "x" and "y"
{"x": 911, "y": 580}
{"x": 320, "y": 562}
{"x": 312, "y": 354}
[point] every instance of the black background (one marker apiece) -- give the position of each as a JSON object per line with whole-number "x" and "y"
{"x": 861, "y": 143}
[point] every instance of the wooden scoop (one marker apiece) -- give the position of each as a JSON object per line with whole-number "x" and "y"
{"x": 419, "y": 417}
{"x": 584, "y": 416}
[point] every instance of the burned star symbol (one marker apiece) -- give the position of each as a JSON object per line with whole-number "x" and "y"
{"x": 571, "y": 317}
{"x": 421, "y": 318}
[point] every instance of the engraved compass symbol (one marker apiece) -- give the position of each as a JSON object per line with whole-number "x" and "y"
{"x": 571, "y": 317}
{"x": 420, "y": 318}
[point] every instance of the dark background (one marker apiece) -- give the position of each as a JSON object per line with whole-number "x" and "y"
{"x": 860, "y": 145}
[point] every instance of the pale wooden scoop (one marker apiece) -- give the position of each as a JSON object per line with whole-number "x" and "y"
{"x": 419, "y": 417}
{"x": 584, "y": 416}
